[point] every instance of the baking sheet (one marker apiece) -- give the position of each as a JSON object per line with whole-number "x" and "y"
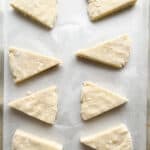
{"x": 1, "y": 74}
{"x": 148, "y": 104}
{"x": 73, "y": 31}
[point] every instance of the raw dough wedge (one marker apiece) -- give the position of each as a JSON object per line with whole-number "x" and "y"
{"x": 114, "y": 52}
{"x": 117, "y": 138}
{"x": 42, "y": 11}
{"x": 41, "y": 105}
{"x": 25, "y": 141}
{"x": 96, "y": 100}
{"x": 98, "y": 9}
{"x": 25, "y": 64}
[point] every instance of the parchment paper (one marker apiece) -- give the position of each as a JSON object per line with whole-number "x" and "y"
{"x": 73, "y": 31}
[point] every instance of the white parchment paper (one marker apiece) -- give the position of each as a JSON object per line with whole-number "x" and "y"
{"x": 73, "y": 30}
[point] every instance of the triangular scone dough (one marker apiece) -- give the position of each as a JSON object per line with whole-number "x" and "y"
{"x": 41, "y": 105}
{"x": 113, "y": 53}
{"x": 25, "y": 141}
{"x": 96, "y": 100}
{"x": 117, "y": 138}
{"x": 43, "y": 11}
{"x": 98, "y": 9}
{"x": 25, "y": 64}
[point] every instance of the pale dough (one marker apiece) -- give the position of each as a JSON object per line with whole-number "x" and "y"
{"x": 96, "y": 100}
{"x": 41, "y": 105}
{"x": 113, "y": 52}
{"x": 25, "y": 64}
{"x": 25, "y": 141}
{"x": 117, "y": 138}
{"x": 98, "y": 9}
{"x": 43, "y": 11}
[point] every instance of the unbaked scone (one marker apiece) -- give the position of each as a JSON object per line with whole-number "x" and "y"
{"x": 26, "y": 141}
{"x": 114, "y": 52}
{"x": 117, "y": 138}
{"x": 43, "y": 11}
{"x": 25, "y": 64}
{"x": 41, "y": 105}
{"x": 98, "y": 9}
{"x": 96, "y": 100}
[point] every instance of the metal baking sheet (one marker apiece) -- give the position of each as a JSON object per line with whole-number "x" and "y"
{"x": 148, "y": 104}
{"x": 1, "y": 74}
{"x": 73, "y": 30}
